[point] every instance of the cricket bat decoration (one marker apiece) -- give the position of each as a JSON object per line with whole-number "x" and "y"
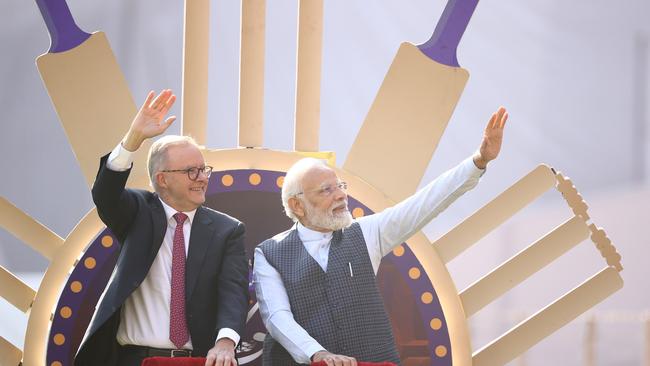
{"x": 412, "y": 108}
{"x": 87, "y": 88}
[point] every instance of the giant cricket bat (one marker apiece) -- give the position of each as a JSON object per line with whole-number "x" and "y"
{"x": 412, "y": 108}
{"x": 87, "y": 88}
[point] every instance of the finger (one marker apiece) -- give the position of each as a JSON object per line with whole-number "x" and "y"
{"x": 159, "y": 99}
{"x": 491, "y": 122}
{"x": 210, "y": 359}
{"x": 169, "y": 121}
{"x": 147, "y": 101}
{"x": 328, "y": 361}
{"x": 169, "y": 103}
{"x": 228, "y": 361}
{"x": 221, "y": 360}
{"x": 501, "y": 111}
{"x": 338, "y": 361}
{"x": 353, "y": 361}
{"x": 503, "y": 120}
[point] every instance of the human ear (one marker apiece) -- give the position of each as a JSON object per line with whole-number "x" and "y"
{"x": 297, "y": 207}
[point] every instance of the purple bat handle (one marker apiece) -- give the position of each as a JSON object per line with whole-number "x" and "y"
{"x": 442, "y": 45}
{"x": 64, "y": 32}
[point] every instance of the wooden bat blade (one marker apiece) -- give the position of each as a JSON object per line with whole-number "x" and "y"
{"x": 91, "y": 98}
{"x": 405, "y": 122}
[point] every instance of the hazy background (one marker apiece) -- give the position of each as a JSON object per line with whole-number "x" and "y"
{"x": 573, "y": 74}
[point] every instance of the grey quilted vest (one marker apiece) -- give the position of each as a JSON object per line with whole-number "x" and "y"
{"x": 343, "y": 312}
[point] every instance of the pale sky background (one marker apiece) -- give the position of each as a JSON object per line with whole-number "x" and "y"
{"x": 574, "y": 75}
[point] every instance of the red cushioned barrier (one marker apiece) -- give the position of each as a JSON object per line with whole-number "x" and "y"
{"x": 322, "y": 363}
{"x": 175, "y": 361}
{"x": 200, "y": 361}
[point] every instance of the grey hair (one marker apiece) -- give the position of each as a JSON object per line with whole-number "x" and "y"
{"x": 158, "y": 153}
{"x": 293, "y": 181}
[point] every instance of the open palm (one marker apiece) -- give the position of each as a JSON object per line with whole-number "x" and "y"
{"x": 493, "y": 135}
{"x": 149, "y": 120}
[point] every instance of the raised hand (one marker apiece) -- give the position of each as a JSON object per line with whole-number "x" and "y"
{"x": 492, "y": 138}
{"x": 149, "y": 122}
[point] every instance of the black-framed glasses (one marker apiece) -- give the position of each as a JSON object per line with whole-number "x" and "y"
{"x": 327, "y": 190}
{"x": 193, "y": 172}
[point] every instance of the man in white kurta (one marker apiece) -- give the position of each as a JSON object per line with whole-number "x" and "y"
{"x": 315, "y": 198}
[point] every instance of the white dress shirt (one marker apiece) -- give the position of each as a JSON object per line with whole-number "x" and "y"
{"x": 381, "y": 231}
{"x": 145, "y": 314}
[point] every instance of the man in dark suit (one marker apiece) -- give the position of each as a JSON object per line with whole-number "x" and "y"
{"x": 180, "y": 286}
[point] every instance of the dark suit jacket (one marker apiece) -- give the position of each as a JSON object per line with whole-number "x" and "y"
{"x": 216, "y": 271}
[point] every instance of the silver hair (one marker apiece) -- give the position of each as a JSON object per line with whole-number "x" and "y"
{"x": 293, "y": 181}
{"x": 158, "y": 153}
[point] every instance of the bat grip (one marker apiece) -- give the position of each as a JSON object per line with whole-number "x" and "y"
{"x": 64, "y": 32}
{"x": 442, "y": 45}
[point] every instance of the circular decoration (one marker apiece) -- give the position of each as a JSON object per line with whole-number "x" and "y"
{"x": 398, "y": 251}
{"x": 358, "y": 212}
{"x": 414, "y": 273}
{"x": 227, "y": 180}
{"x": 107, "y": 241}
{"x": 65, "y": 312}
{"x": 255, "y": 179}
{"x": 59, "y": 339}
{"x": 90, "y": 262}
{"x": 280, "y": 181}
{"x": 441, "y": 351}
{"x": 76, "y": 287}
{"x": 435, "y": 324}
{"x": 426, "y": 298}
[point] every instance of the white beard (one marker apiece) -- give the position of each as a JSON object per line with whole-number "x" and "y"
{"x": 327, "y": 219}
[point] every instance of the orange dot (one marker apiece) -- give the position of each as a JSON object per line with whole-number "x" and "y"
{"x": 426, "y": 297}
{"x": 280, "y": 181}
{"x": 227, "y": 180}
{"x": 435, "y": 323}
{"x": 107, "y": 241}
{"x": 76, "y": 287}
{"x": 65, "y": 312}
{"x": 90, "y": 263}
{"x": 56, "y": 363}
{"x": 398, "y": 251}
{"x": 254, "y": 179}
{"x": 414, "y": 273}
{"x": 358, "y": 212}
{"x": 59, "y": 339}
{"x": 441, "y": 351}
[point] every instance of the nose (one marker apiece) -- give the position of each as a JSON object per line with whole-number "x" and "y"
{"x": 339, "y": 194}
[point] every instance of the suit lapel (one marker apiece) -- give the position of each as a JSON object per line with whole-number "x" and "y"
{"x": 159, "y": 226}
{"x": 202, "y": 231}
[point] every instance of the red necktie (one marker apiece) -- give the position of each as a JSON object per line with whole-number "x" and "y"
{"x": 178, "y": 333}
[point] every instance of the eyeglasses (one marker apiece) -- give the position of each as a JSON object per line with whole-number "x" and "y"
{"x": 193, "y": 172}
{"x": 327, "y": 190}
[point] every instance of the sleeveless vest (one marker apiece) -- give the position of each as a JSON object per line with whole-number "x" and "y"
{"x": 341, "y": 308}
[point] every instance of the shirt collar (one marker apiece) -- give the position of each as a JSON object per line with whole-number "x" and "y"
{"x": 307, "y": 234}
{"x": 170, "y": 212}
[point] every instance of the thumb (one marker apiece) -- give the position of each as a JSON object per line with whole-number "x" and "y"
{"x": 169, "y": 121}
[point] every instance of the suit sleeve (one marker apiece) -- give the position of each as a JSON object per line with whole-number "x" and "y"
{"x": 116, "y": 205}
{"x": 232, "y": 284}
